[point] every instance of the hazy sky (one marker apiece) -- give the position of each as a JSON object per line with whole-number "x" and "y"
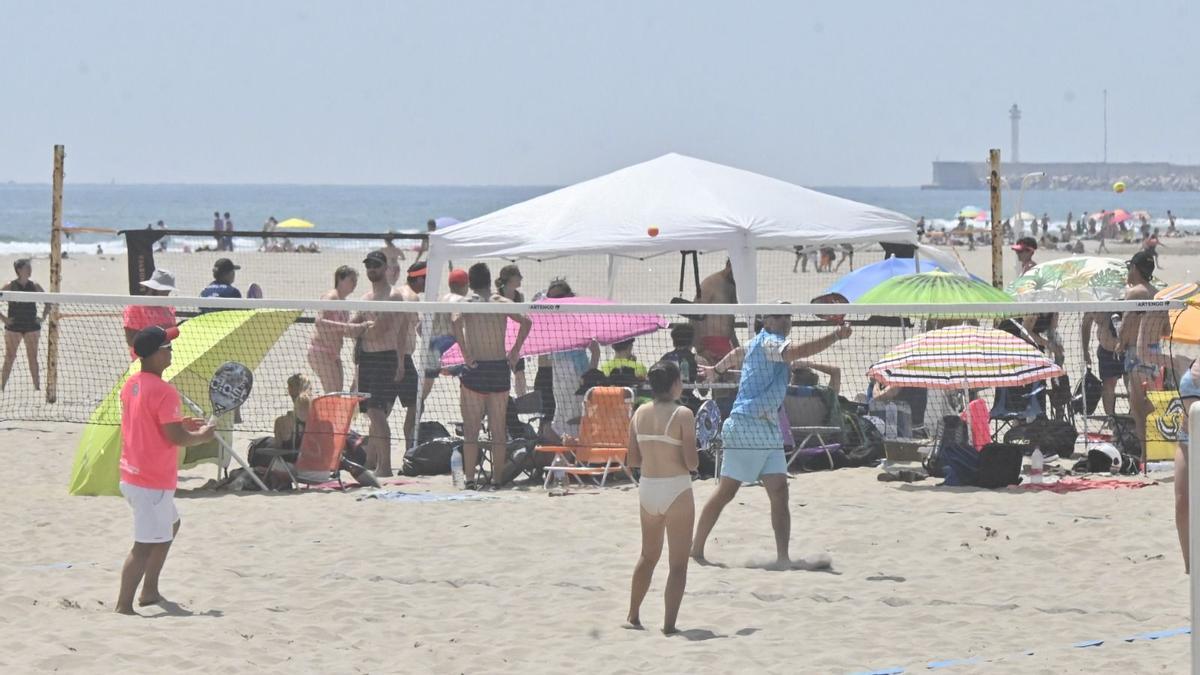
{"x": 515, "y": 92}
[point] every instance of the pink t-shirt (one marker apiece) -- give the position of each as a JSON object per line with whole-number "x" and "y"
{"x": 148, "y": 459}
{"x": 137, "y": 317}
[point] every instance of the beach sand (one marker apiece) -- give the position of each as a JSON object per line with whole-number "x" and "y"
{"x": 323, "y": 582}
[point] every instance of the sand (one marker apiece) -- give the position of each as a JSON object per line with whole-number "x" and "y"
{"x": 520, "y": 582}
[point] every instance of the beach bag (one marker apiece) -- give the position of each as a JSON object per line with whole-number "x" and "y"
{"x": 960, "y": 464}
{"x": 431, "y": 458}
{"x": 822, "y": 458}
{"x": 954, "y": 431}
{"x": 862, "y": 442}
{"x": 431, "y": 430}
{"x": 1094, "y": 389}
{"x": 1053, "y": 437}
{"x": 255, "y": 458}
{"x": 999, "y": 465}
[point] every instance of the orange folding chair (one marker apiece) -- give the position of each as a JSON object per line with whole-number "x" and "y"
{"x": 320, "y": 458}
{"x": 603, "y": 437}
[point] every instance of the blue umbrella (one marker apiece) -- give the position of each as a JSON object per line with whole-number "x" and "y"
{"x": 865, "y": 278}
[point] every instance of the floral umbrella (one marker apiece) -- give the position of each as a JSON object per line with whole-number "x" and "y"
{"x": 1077, "y": 278}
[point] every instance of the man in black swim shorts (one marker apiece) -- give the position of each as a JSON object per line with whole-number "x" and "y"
{"x": 488, "y": 373}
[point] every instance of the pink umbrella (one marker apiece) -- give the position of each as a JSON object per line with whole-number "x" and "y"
{"x": 555, "y": 331}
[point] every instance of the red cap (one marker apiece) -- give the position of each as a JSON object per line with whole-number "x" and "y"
{"x": 458, "y": 277}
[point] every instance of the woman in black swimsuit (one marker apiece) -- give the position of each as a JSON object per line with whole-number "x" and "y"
{"x": 22, "y": 324}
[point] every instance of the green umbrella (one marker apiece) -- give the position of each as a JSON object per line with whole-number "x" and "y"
{"x": 204, "y": 343}
{"x": 935, "y": 288}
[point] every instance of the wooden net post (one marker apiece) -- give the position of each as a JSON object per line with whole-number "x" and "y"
{"x": 997, "y": 230}
{"x": 55, "y": 276}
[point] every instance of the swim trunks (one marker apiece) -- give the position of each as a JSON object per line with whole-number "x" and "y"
{"x": 1112, "y": 364}
{"x": 488, "y": 377}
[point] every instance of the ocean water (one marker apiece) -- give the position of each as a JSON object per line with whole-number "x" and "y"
{"x": 25, "y": 209}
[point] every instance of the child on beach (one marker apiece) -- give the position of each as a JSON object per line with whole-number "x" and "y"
{"x": 623, "y": 369}
{"x": 152, "y": 430}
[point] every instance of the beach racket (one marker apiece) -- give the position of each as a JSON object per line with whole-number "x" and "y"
{"x": 229, "y": 388}
{"x": 708, "y": 424}
{"x": 831, "y": 299}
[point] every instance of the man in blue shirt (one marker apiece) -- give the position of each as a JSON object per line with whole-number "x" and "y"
{"x": 753, "y": 446}
{"x": 224, "y": 272}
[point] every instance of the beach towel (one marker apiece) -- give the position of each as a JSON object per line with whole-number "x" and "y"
{"x": 977, "y": 417}
{"x": 1072, "y": 484}
{"x": 420, "y": 497}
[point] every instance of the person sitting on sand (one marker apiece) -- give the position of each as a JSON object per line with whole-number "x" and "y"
{"x": 662, "y": 442}
{"x": 488, "y": 374}
{"x": 22, "y": 325}
{"x": 623, "y": 369}
{"x": 753, "y": 446}
{"x": 152, "y": 431}
{"x": 137, "y": 317}
{"x": 330, "y": 331}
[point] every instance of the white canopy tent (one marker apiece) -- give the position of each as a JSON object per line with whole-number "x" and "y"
{"x": 694, "y": 205}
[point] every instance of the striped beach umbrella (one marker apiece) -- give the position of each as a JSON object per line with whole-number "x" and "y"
{"x": 1080, "y": 278}
{"x": 963, "y": 357}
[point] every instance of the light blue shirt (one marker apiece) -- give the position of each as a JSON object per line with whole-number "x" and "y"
{"x": 764, "y": 378}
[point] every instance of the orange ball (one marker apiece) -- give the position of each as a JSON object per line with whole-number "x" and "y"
{"x": 652, "y": 231}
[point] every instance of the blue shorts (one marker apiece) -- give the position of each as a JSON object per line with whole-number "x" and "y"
{"x": 1134, "y": 365}
{"x": 752, "y": 448}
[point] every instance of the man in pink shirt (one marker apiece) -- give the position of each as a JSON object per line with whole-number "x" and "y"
{"x": 152, "y": 430}
{"x": 137, "y": 317}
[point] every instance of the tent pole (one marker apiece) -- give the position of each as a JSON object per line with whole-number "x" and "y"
{"x": 612, "y": 276}
{"x": 682, "y": 270}
{"x": 696, "y": 269}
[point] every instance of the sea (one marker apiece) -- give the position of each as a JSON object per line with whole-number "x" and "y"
{"x": 25, "y": 208}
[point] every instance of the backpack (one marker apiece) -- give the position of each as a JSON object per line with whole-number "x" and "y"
{"x": 999, "y": 465}
{"x": 1053, "y": 437}
{"x": 431, "y": 458}
{"x": 862, "y": 442}
{"x": 1093, "y": 388}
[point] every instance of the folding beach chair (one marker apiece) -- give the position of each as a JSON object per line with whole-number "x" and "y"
{"x": 811, "y": 432}
{"x": 319, "y": 459}
{"x": 1015, "y": 404}
{"x": 603, "y": 437}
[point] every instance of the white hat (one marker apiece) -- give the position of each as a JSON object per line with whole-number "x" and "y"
{"x": 161, "y": 280}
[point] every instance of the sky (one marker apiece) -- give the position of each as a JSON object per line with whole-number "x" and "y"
{"x": 547, "y": 93}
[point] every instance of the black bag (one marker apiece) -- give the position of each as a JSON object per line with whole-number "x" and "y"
{"x": 862, "y": 442}
{"x": 255, "y": 458}
{"x": 431, "y": 458}
{"x": 1053, "y": 437}
{"x": 1094, "y": 389}
{"x": 999, "y": 465}
{"x": 431, "y": 430}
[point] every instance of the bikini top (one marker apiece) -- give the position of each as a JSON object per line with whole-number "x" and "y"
{"x": 663, "y": 438}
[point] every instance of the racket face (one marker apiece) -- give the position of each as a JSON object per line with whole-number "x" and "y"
{"x": 230, "y": 387}
{"x": 708, "y": 424}
{"x": 831, "y": 299}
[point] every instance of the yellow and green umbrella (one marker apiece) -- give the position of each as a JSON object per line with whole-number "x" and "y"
{"x": 936, "y": 288}
{"x": 1079, "y": 278}
{"x": 204, "y": 343}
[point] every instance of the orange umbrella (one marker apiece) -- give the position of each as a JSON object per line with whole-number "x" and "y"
{"x": 1185, "y": 323}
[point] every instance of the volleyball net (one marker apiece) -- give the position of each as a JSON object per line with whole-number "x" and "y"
{"x": 850, "y": 359}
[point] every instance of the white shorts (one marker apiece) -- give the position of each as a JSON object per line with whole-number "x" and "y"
{"x": 154, "y": 514}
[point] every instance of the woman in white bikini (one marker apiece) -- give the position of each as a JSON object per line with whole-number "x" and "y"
{"x": 662, "y": 441}
{"x": 332, "y": 329}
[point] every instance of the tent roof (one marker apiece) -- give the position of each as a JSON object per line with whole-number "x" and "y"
{"x": 696, "y": 205}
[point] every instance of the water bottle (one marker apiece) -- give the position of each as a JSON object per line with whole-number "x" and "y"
{"x": 456, "y": 469}
{"x": 1036, "y": 466}
{"x": 890, "y": 419}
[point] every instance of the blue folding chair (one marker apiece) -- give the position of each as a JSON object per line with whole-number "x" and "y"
{"x": 1015, "y": 404}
